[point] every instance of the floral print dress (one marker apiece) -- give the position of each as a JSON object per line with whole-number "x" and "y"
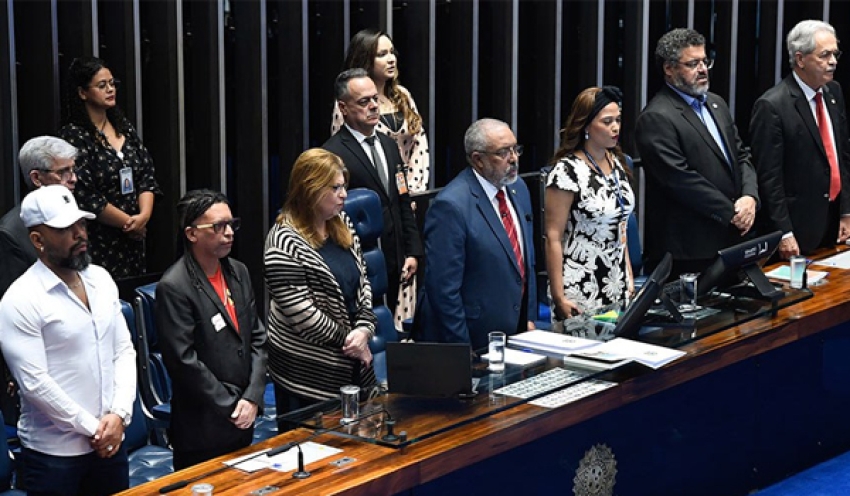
{"x": 99, "y": 182}
{"x": 595, "y": 273}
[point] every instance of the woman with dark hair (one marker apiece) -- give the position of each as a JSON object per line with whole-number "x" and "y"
{"x": 588, "y": 201}
{"x": 115, "y": 172}
{"x": 374, "y": 51}
{"x": 320, "y": 319}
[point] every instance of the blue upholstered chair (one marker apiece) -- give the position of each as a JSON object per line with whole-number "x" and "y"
{"x": 148, "y": 461}
{"x": 154, "y": 382}
{"x": 364, "y": 208}
{"x": 7, "y": 468}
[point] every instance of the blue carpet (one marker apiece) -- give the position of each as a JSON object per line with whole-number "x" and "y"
{"x": 830, "y": 478}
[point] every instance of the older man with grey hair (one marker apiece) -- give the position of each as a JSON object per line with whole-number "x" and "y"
{"x": 43, "y": 160}
{"x": 701, "y": 189}
{"x": 800, "y": 146}
{"x": 479, "y": 249}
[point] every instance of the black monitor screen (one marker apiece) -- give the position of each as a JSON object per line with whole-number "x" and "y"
{"x": 737, "y": 263}
{"x": 629, "y": 323}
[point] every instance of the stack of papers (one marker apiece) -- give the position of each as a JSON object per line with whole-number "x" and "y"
{"x": 519, "y": 357}
{"x": 551, "y": 342}
{"x": 625, "y": 349}
{"x": 286, "y": 461}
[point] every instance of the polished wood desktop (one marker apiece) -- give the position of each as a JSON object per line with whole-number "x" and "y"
{"x": 384, "y": 470}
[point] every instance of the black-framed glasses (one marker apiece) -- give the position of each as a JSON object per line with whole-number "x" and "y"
{"x": 115, "y": 83}
{"x": 826, "y": 55}
{"x": 505, "y": 152}
{"x": 693, "y": 64}
{"x": 64, "y": 173}
{"x": 219, "y": 227}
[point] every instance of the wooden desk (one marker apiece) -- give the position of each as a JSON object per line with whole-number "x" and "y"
{"x": 672, "y": 424}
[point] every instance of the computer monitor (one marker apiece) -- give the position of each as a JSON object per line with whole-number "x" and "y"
{"x": 630, "y": 321}
{"x": 740, "y": 262}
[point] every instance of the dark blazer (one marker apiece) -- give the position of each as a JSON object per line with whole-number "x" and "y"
{"x": 401, "y": 236}
{"x": 472, "y": 280}
{"x": 17, "y": 253}
{"x": 690, "y": 188}
{"x": 793, "y": 170}
{"x": 211, "y": 370}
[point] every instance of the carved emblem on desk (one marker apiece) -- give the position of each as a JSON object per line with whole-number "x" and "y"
{"x": 597, "y": 472}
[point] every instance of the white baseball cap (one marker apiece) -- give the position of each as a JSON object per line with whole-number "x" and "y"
{"x": 53, "y": 206}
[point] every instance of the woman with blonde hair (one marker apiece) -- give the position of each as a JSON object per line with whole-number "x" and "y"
{"x": 588, "y": 201}
{"x": 320, "y": 319}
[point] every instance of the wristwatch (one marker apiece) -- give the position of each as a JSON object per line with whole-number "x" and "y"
{"x": 126, "y": 418}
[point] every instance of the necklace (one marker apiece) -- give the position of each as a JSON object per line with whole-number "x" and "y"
{"x": 76, "y": 284}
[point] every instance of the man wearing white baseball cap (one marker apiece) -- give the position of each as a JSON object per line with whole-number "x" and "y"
{"x": 67, "y": 344}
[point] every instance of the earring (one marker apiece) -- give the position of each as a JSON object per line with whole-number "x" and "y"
{"x": 586, "y": 136}
{"x": 41, "y": 249}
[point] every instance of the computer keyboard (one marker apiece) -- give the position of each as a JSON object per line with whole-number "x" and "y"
{"x": 573, "y": 393}
{"x": 545, "y": 382}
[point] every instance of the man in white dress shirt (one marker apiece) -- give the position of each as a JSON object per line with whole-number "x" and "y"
{"x": 67, "y": 344}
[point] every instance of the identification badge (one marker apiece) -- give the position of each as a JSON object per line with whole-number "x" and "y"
{"x": 623, "y": 228}
{"x": 126, "y": 177}
{"x": 218, "y": 322}
{"x": 401, "y": 182}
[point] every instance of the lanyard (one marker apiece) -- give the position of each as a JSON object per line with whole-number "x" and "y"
{"x": 618, "y": 192}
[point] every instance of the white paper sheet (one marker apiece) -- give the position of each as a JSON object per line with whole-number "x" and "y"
{"x": 284, "y": 462}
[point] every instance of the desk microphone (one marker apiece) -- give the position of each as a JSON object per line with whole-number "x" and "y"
{"x": 299, "y": 474}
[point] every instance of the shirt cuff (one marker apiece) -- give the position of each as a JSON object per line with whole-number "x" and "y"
{"x": 89, "y": 423}
{"x": 789, "y": 234}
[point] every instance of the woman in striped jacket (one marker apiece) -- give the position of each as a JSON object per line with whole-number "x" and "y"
{"x": 320, "y": 319}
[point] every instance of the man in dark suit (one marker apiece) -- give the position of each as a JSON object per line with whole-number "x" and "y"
{"x": 803, "y": 161}
{"x": 701, "y": 189}
{"x": 479, "y": 249}
{"x": 43, "y": 160}
{"x": 373, "y": 162}
{"x": 213, "y": 343}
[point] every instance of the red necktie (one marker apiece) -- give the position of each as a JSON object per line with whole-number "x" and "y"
{"x": 823, "y": 128}
{"x": 508, "y": 222}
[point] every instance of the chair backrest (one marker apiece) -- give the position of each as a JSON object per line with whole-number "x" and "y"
{"x": 364, "y": 208}
{"x": 154, "y": 382}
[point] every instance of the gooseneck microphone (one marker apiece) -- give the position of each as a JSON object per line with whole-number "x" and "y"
{"x": 299, "y": 474}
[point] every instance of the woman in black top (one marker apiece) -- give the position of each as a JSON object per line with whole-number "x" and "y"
{"x": 115, "y": 173}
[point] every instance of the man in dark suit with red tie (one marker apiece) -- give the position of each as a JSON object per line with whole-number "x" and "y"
{"x": 479, "y": 249}
{"x": 373, "y": 162}
{"x": 800, "y": 146}
{"x": 701, "y": 189}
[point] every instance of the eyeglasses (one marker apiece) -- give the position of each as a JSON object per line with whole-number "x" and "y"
{"x": 505, "y": 152}
{"x": 827, "y": 54}
{"x": 64, "y": 173}
{"x": 115, "y": 83}
{"x": 339, "y": 187}
{"x": 693, "y": 64}
{"x": 219, "y": 227}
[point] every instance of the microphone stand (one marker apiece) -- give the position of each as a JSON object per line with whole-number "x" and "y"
{"x": 299, "y": 474}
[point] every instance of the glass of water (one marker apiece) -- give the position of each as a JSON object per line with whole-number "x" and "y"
{"x": 688, "y": 298}
{"x": 496, "y": 351}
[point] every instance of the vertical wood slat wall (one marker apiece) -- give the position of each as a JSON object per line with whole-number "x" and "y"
{"x": 227, "y": 93}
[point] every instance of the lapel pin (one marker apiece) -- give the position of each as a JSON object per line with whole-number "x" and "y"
{"x": 713, "y": 105}
{"x": 513, "y": 191}
{"x": 832, "y": 101}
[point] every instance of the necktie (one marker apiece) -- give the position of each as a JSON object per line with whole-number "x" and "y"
{"x": 378, "y": 163}
{"x": 823, "y": 128}
{"x": 508, "y": 222}
{"x": 711, "y": 126}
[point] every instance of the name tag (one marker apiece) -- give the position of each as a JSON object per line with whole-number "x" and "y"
{"x": 401, "y": 183}
{"x": 126, "y": 177}
{"x": 218, "y": 322}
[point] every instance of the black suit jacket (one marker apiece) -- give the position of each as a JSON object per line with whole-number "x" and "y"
{"x": 401, "y": 236}
{"x": 793, "y": 170}
{"x": 17, "y": 253}
{"x": 211, "y": 369}
{"x": 690, "y": 187}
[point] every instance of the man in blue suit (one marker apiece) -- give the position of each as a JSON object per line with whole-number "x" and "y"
{"x": 479, "y": 273}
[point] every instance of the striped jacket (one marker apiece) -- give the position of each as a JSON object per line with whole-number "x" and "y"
{"x": 308, "y": 321}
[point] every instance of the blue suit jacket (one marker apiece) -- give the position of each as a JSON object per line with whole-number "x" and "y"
{"x": 472, "y": 280}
